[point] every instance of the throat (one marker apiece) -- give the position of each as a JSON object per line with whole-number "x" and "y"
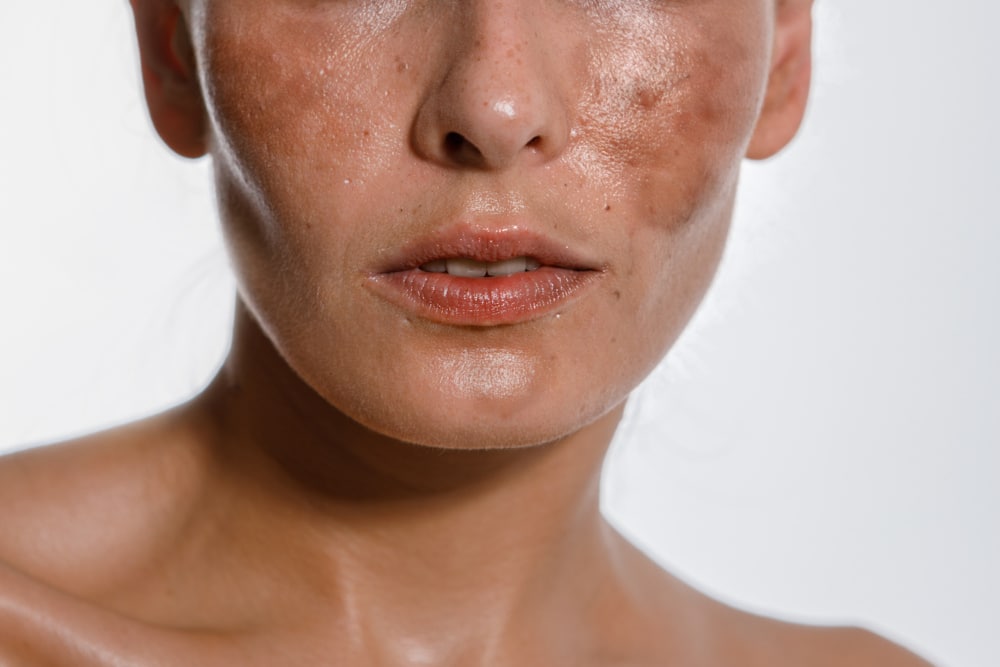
{"x": 428, "y": 550}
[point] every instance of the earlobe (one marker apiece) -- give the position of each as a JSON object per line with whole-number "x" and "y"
{"x": 788, "y": 81}
{"x": 170, "y": 77}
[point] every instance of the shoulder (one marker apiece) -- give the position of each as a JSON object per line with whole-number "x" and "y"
{"x": 706, "y": 632}
{"x": 80, "y": 521}
{"x": 853, "y": 647}
{"x": 685, "y": 625}
{"x": 863, "y": 647}
{"x": 772, "y": 642}
{"x": 77, "y": 515}
{"x": 40, "y": 625}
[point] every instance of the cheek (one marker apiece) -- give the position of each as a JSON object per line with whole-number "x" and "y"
{"x": 301, "y": 151}
{"x": 673, "y": 129}
{"x": 303, "y": 118}
{"x": 671, "y": 136}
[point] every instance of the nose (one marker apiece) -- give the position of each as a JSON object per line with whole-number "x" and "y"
{"x": 497, "y": 101}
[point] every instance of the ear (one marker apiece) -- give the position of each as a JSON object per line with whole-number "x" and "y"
{"x": 788, "y": 81}
{"x": 170, "y": 76}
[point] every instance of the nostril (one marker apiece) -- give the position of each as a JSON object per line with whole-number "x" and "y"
{"x": 457, "y": 149}
{"x": 461, "y": 150}
{"x": 453, "y": 141}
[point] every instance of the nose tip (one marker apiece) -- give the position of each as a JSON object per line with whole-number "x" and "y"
{"x": 495, "y": 105}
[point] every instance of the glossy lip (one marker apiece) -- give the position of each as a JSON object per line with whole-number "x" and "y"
{"x": 563, "y": 276}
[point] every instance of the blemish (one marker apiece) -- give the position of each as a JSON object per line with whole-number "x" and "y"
{"x": 647, "y": 97}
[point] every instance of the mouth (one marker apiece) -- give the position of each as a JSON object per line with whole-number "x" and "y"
{"x": 464, "y": 267}
{"x": 470, "y": 277}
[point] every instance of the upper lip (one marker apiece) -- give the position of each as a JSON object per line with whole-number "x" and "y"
{"x": 488, "y": 244}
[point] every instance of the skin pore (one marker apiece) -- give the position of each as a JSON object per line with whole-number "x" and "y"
{"x": 378, "y": 477}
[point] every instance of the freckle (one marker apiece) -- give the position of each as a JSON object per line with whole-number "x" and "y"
{"x": 607, "y": 207}
{"x": 618, "y": 295}
{"x": 510, "y": 53}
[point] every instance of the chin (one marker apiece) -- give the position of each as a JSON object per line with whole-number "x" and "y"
{"x": 476, "y": 399}
{"x": 475, "y": 429}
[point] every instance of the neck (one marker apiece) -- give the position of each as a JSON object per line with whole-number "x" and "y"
{"x": 404, "y": 537}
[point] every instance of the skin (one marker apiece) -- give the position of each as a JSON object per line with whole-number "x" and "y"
{"x": 362, "y": 485}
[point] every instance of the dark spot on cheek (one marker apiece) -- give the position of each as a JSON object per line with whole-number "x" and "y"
{"x": 647, "y": 97}
{"x": 617, "y": 294}
{"x": 607, "y": 207}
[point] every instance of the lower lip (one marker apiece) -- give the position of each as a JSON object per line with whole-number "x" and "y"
{"x": 499, "y": 300}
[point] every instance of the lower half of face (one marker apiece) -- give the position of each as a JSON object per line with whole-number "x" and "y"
{"x": 372, "y": 166}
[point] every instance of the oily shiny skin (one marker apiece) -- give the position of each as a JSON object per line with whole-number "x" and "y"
{"x": 284, "y": 517}
{"x": 343, "y": 130}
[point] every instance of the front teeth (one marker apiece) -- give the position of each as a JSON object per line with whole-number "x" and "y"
{"x": 470, "y": 268}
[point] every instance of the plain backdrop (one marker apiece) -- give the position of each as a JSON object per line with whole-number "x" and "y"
{"x": 821, "y": 444}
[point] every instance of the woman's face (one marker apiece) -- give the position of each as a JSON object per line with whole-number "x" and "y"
{"x": 363, "y": 147}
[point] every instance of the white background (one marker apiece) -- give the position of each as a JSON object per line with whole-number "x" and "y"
{"x": 821, "y": 445}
